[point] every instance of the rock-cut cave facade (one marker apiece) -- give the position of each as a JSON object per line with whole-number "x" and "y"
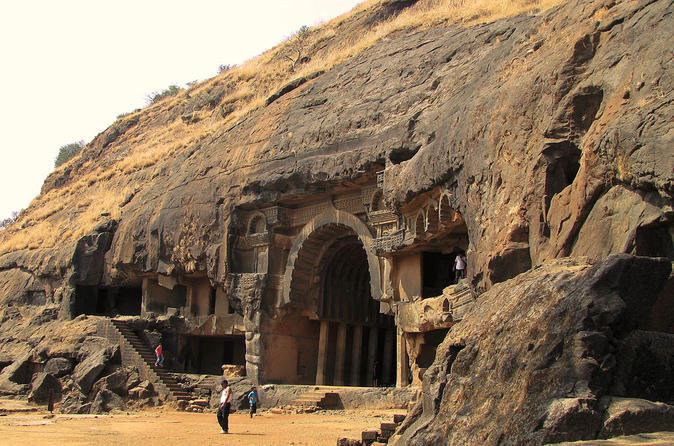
{"x": 331, "y": 288}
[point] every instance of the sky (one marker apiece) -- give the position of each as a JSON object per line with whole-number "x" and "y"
{"x": 69, "y": 68}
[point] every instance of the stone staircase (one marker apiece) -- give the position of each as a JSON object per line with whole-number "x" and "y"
{"x": 324, "y": 400}
{"x": 136, "y": 352}
{"x": 384, "y": 432}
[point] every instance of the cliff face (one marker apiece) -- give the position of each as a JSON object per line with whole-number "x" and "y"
{"x": 552, "y": 132}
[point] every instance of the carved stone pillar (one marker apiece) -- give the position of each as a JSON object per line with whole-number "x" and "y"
{"x": 389, "y": 346}
{"x": 402, "y": 361}
{"x": 372, "y": 354}
{"x": 341, "y": 355}
{"x": 322, "y": 352}
{"x": 356, "y": 355}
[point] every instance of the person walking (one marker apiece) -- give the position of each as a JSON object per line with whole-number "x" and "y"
{"x": 224, "y": 407}
{"x": 252, "y": 400}
{"x": 159, "y": 353}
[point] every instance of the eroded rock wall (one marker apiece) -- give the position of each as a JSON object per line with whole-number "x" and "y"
{"x": 533, "y": 359}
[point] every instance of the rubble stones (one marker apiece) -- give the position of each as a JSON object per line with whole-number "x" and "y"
{"x": 75, "y": 402}
{"x": 627, "y": 416}
{"x": 106, "y": 401}
{"x": 115, "y": 382}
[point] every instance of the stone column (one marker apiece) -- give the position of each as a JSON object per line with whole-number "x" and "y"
{"x": 402, "y": 361}
{"x": 322, "y": 352}
{"x": 145, "y": 293}
{"x": 356, "y": 354}
{"x": 372, "y": 353}
{"x": 389, "y": 346}
{"x": 340, "y": 355}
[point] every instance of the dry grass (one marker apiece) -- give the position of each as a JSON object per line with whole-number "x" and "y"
{"x": 72, "y": 210}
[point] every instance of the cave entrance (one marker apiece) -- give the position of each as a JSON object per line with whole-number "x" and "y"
{"x": 207, "y": 354}
{"x": 436, "y": 272}
{"x": 107, "y": 301}
{"x": 355, "y": 343}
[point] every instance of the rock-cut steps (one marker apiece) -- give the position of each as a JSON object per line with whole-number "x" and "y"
{"x": 324, "y": 400}
{"x": 143, "y": 356}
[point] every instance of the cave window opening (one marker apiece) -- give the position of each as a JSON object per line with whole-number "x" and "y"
{"x": 654, "y": 241}
{"x": 129, "y": 301}
{"x": 257, "y": 225}
{"x": 160, "y": 299}
{"x": 432, "y": 340}
{"x": 107, "y": 301}
{"x": 563, "y": 165}
{"x": 207, "y": 354}
{"x": 437, "y": 273}
{"x": 378, "y": 202}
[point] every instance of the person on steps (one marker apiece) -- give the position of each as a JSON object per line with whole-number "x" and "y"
{"x": 224, "y": 407}
{"x": 160, "y": 356}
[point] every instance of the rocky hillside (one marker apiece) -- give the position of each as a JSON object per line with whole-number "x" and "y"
{"x": 552, "y": 129}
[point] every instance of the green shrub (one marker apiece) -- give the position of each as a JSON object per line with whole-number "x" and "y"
{"x": 68, "y": 151}
{"x": 155, "y": 97}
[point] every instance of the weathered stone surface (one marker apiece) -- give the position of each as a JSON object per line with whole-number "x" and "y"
{"x": 645, "y": 366}
{"x": 75, "y": 402}
{"x": 536, "y": 371}
{"x": 15, "y": 378}
{"x": 58, "y": 367}
{"x": 107, "y": 401}
{"x": 94, "y": 345}
{"x": 42, "y": 385}
{"x": 115, "y": 382}
{"x": 134, "y": 379}
{"x": 627, "y": 416}
{"x": 88, "y": 371}
{"x": 143, "y": 390}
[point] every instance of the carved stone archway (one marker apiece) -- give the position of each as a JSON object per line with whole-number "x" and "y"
{"x": 301, "y": 260}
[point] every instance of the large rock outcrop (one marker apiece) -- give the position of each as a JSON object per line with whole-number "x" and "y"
{"x": 537, "y": 356}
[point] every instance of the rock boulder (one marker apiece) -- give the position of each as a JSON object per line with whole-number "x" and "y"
{"x": 531, "y": 361}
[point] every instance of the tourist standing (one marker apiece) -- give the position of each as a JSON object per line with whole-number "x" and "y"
{"x": 459, "y": 267}
{"x": 224, "y": 407}
{"x": 159, "y": 353}
{"x": 252, "y": 400}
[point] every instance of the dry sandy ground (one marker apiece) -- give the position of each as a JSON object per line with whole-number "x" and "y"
{"x": 165, "y": 427}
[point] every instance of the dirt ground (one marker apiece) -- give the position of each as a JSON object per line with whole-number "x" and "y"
{"x": 24, "y": 425}
{"x": 166, "y": 427}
